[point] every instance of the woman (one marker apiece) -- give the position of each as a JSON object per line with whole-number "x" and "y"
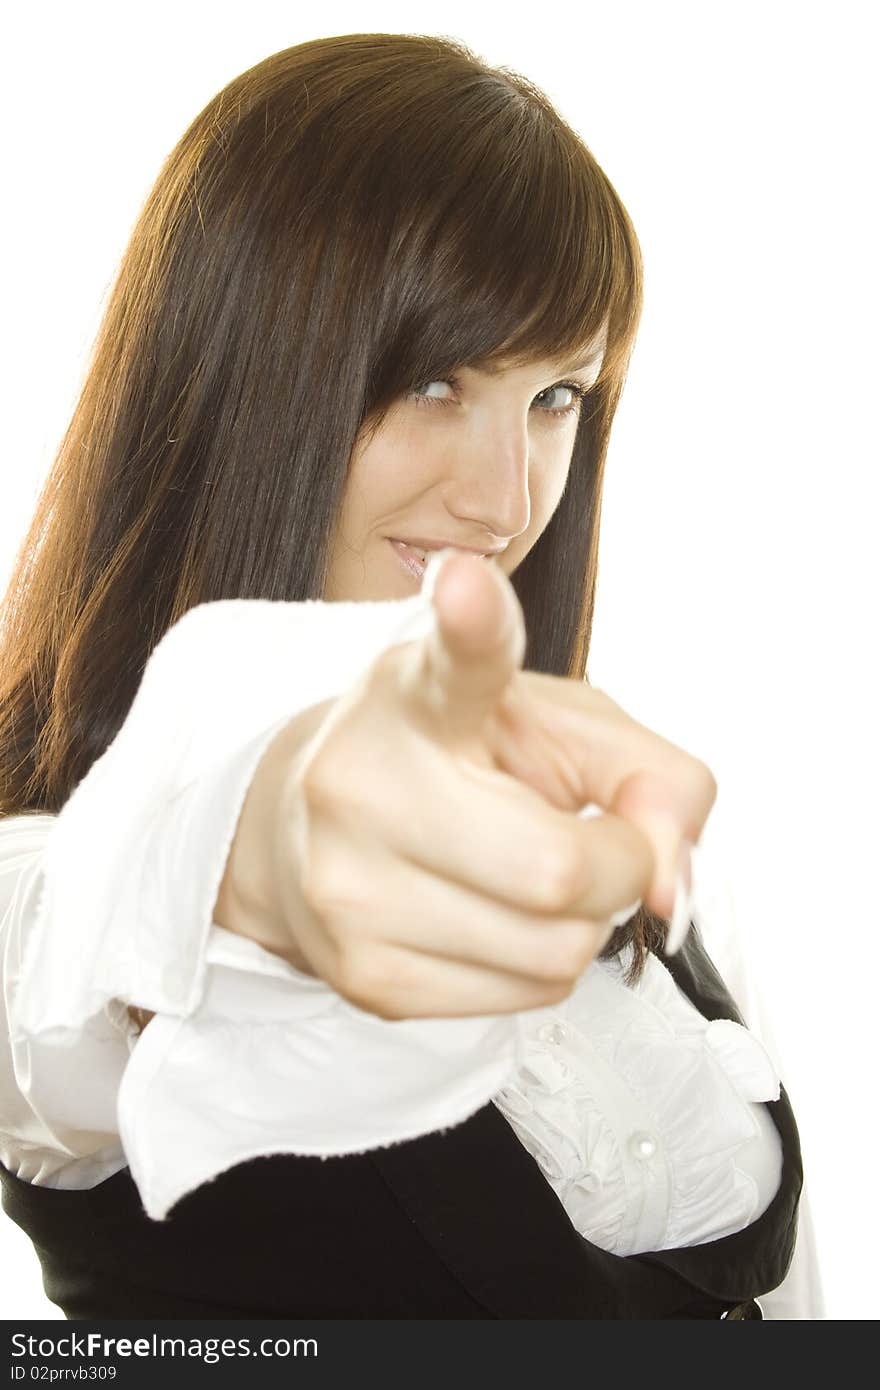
{"x": 319, "y": 844}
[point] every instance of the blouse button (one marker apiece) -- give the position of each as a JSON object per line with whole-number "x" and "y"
{"x": 642, "y": 1145}
{"x": 553, "y": 1033}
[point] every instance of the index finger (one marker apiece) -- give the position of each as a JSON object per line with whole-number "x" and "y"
{"x": 455, "y": 675}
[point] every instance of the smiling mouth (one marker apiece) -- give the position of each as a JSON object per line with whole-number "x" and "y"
{"x": 415, "y": 559}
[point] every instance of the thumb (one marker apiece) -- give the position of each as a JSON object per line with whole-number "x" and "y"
{"x": 476, "y": 644}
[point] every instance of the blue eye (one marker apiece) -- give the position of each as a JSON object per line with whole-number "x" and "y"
{"x": 578, "y": 393}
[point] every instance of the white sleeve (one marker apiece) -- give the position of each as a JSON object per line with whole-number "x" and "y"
{"x": 107, "y": 904}
{"x": 37, "y": 1143}
{"x": 800, "y": 1295}
{"x": 110, "y": 903}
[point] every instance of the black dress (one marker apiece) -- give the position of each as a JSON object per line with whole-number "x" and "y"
{"x": 459, "y": 1223}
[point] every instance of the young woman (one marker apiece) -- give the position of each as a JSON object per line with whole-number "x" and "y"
{"x": 337, "y": 967}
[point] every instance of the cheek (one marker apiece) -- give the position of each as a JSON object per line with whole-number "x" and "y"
{"x": 369, "y": 491}
{"x": 387, "y": 471}
{"x": 546, "y": 486}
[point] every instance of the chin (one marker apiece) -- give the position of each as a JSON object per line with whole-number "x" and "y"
{"x": 369, "y": 588}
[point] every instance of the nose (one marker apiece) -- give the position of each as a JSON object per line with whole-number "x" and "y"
{"x": 489, "y": 488}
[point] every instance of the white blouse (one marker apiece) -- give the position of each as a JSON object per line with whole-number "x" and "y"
{"x": 647, "y": 1119}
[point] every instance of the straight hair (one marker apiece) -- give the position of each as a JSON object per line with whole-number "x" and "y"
{"x": 345, "y": 220}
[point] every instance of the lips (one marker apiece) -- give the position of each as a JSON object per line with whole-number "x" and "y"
{"x": 420, "y": 551}
{"x": 414, "y": 560}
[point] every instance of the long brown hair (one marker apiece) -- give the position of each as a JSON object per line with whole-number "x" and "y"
{"x": 343, "y": 221}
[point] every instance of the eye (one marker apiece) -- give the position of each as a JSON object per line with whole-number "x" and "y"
{"x": 430, "y": 400}
{"x": 575, "y": 391}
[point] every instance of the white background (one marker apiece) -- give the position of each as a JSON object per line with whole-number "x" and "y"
{"x": 738, "y": 580}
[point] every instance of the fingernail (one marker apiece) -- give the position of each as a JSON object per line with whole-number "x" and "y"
{"x": 682, "y": 911}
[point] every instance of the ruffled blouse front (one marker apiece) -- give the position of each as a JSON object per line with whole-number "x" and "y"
{"x": 645, "y": 1117}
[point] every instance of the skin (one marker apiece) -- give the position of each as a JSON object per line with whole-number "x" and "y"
{"x": 424, "y": 781}
{"x": 487, "y": 467}
{"x": 480, "y": 465}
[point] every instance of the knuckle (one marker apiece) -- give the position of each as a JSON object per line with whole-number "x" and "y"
{"x": 345, "y": 775}
{"x": 556, "y": 993}
{"x": 335, "y": 781}
{"x": 364, "y": 979}
{"x": 319, "y": 779}
{"x": 354, "y": 976}
{"x": 559, "y": 881}
{"x": 320, "y": 883}
{"x": 566, "y": 957}
{"x": 588, "y": 947}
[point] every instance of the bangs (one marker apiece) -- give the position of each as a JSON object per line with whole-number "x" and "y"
{"x": 513, "y": 247}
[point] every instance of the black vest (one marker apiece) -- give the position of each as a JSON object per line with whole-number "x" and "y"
{"x": 460, "y": 1223}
